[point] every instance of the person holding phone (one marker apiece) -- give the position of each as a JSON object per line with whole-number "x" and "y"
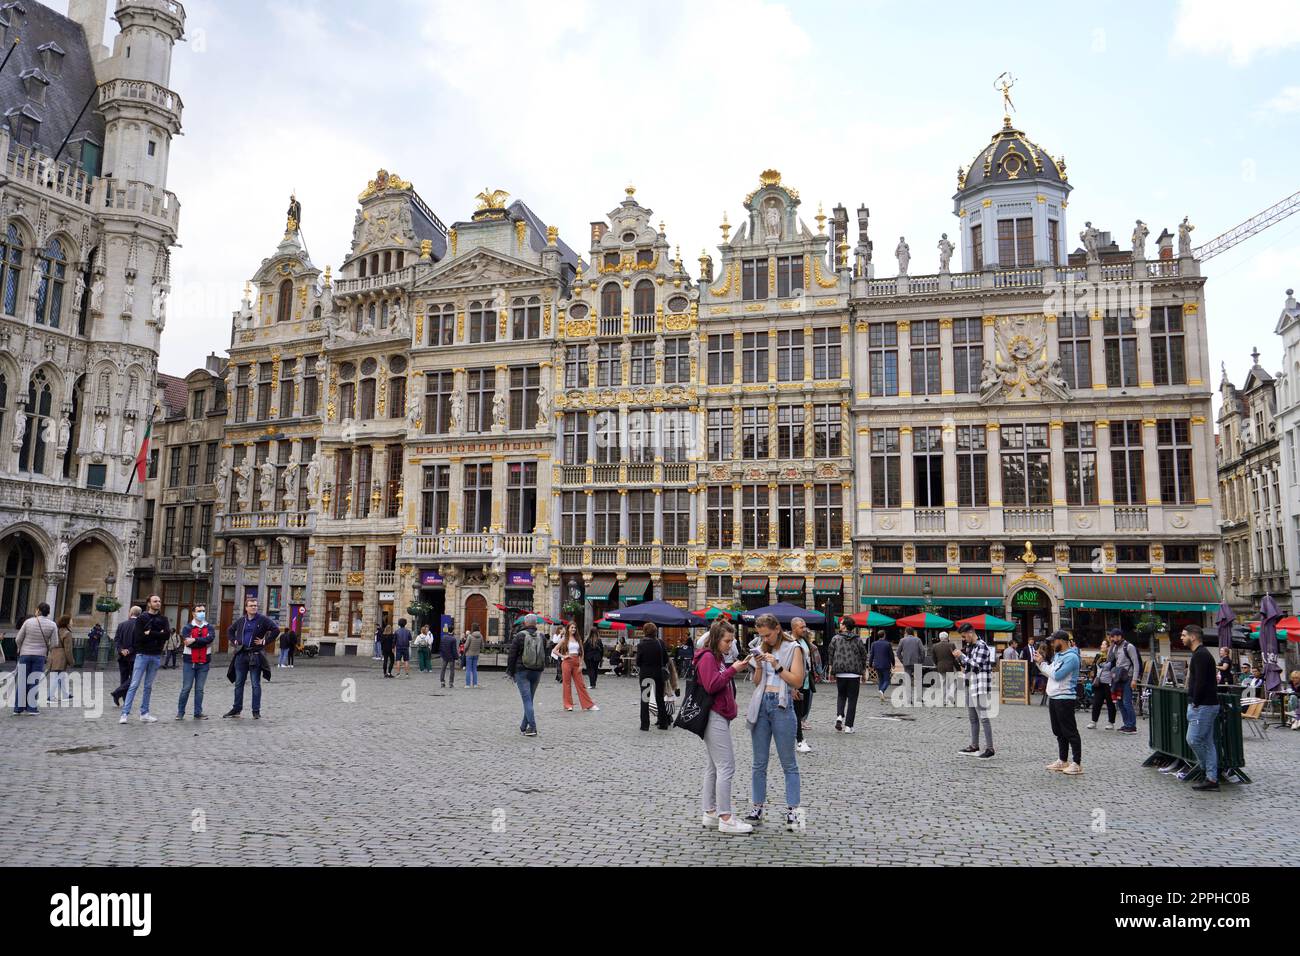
{"x": 778, "y": 671}
{"x": 715, "y": 676}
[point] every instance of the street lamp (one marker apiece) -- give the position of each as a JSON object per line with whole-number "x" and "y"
{"x": 110, "y": 588}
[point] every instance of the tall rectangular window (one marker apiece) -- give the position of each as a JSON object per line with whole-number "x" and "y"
{"x": 169, "y": 532}
{"x": 972, "y": 466}
{"x": 789, "y": 432}
{"x": 721, "y": 434}
{"x": 482, "y": 322}
{"x": 198, "y": 404}
{"x": 396, "y": 396}
{"x": 677, "y": 360}
{"x": 826, "y": 353}
{"x": 608, "y": 506}
{"x": 925, "y": 357}
{"x": 526, "y": 318}
{"x": 435, "y": 498}
{"x": 927, "y": 466}
{"x": 442, "y": 324}
{"x": 241, "y": 394}
{"x": 174, "y": 467}
{"x": 1026, "y": 465}
{"x": 264, "y": 372}
{"x": 609, "y": 364}
{"x": 1074, "y": 341}
{"x": 574, "y": 438}
{"x": 575, "y": 366}
{"x": 524, "y": 383}
{"x": 347, "y": 401}
{"x": 885, "y": 491}
{"x": 753, "y": 278}
{"x": 676, "y": 506}
{"x": 438, "y": 387}
{"x": 287, "y": 396}
{"x": 521, "y": 497}
{"x": 192, "y": 465}
{"x": 640, "y": 517}
{"x": 210, "y": 462}
{"x": 642, "y": 371}
{"x": 609, "y": 437}
{"x": 146, "y": 546}
{"x": 977, "y": 248}
{"x": 720, "y": 516}
{"x": 828, "y": 426}
{"x": 790, "y": 516}
{"x": 310, "y": 386}
{"x": 393, "y": 481}
{"x": 753, "y": 516}
{"x": 1127, "y": 477}
{"x": 573, "y": 518}
{"x": 365, "y": 475}
{"x": 1121, "y": 345}
{"x": 722, "y": 359}
{"x": 342, "y": 482}
{"x": 476, "y": 494}
{"x": 205, "y": 528}
{"x": 1015, "y": 243}
{"x": 753, "y": 357}
{"x": 480, "y": 387}
{"x": 1168, "y": 358}
{"x": 967, "y": 354}
{"x": 1174, "y": 449}
{"x": 1080, "y": 463}
{"x": 828, "y": 516}
{"x": 187, "y": 530}
{"x": 882, "y": 358}
{"x": 366, "y": 411}
{"x": 789, "y": 275}
{"x": 753, "y": 432}
{"x": 789, "y": 355}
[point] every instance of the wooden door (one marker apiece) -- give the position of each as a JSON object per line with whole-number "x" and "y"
{"x": 475, "y": 614}
{"x": 227, "y": 616}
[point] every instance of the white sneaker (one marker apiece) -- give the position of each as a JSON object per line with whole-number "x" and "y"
{"x": 148, "y": 719}
{"x": 594, "y": 707}
{"x": 839, "y": 723}
{"x": 734, "y": 825}
{"x": 1057, "y": 765}
{"x": 123, "y": 719}
{"x": 1109, "y": 727}
{"x": 1092, "y": 725}
{"x": 848, "y": 730}
{"x": 802, "y": 747}
{"x": 708, "y": 820}
{"x": 1072, "y": 769}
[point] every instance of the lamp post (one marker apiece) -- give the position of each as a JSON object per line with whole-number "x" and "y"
{"x": 110, "y": 591}
{"x": 928, "y": 606}
{"x": 1149, "y": 606}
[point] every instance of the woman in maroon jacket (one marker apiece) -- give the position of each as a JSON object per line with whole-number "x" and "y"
{"x": 715, "y": 677}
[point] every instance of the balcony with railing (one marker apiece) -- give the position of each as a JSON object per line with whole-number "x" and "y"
{"x": 1130, "y": 519}
{"x": 931, "y": 519}
{"x": 611, "y": 325}
{"x": 26, "y": 165}
{"x": 294, "y": 521}
{"x": 485, "y": 546}
{"x": 1028, "y": 519}
{"x": 1020, "y": 278}
{"x": 23, "y": 496}
{"x": 643, "y": 325}
{"x": 1017, "y": 278}
{"x": 383, "y": 280}
{"x": 159, "y": 98}
{"x": 143, "y": 199}
{"x": 386, "y": 579}
{"x": 628, "y": 473}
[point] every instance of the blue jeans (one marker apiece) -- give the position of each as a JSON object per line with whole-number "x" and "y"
{"x": 886, "y": 678}
{"x": 146, "y": 669}
{"x": 778, "y": 722}
{"x": 526, "y": 681}
{"x": 246, "y": 666}
{"x": 1200, "y": 737}
{"x": 27, "y": 683}
{"x": 284, "y": 656}
{"x": 195, "y": 676}
{"x": 1128, "y": 719}
{"x": 471, "y": 670}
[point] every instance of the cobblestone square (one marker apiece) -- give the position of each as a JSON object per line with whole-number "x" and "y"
{"x": 410, "y": 773}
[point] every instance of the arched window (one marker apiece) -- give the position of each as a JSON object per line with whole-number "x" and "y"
{"x": 11, "y": 268}
{"x": 16, "y": 589}
{"x": 74, "y": 421}
{"x": 374, "y": 264}
{"x": 611, "y": 301}
{"x": 643, "y": 298}
{"x": 284, "y": 309}
{"x": 49, "y": 294}
{"x": 361, "y": 272}
{"x": 315, "y": 312}
{"x": 105, "y": 389}
{"x": 388, "y": 262}
{"x": 40, "y": 399}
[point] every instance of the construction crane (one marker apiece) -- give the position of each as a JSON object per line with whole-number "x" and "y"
{"x": 1255, "y": 224}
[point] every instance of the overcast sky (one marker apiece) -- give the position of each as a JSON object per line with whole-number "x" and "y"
{"x": 1160, "y": 109}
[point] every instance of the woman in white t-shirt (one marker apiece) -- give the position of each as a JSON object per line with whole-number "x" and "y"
{"x": 569, "y": 649}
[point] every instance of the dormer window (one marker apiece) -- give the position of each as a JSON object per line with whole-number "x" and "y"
{"x": 24, "y": 125}
{"x": 35, "y": 83}
{"x": 51, "y": 58}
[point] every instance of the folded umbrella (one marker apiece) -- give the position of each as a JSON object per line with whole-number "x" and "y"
{"x": 1269, "y": 615}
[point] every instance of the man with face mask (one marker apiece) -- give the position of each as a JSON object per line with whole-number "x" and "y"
{"x": 1063, "y": 693}
{"x": 197, "y": 638}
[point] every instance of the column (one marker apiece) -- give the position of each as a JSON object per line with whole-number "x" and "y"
{"x": 809, "y": 431}
{"x": 808, "y": 351}
{"x": 694, "y": 514}
{"x": 906, "y": 472}
{"x": 737, "y": 372}
{"x": 502, "y": 388}
{"x": 810, "y": 516}
{"x": 591, "y": 517}
{"x": 950, "y": 469}
{"x": 591, "y": 439}
{"x": 859, "y": 358}
{"x": 773, "y": 527}
{"x": 455, "y": 492}
{"x": 947, "y": 374}
{"x": 737, "y": 523}
{"x": 1142, "y": 325}
{"x": 1053, "y": 339}
{"x": 1056, "y": 442}
{"x": 1097, "y": 338}
{"x": 737, "y": 414}
{"x": 1196, "y": 345}
{"x": 622, "y": 516}
{"x": 1203, "y": 468}
{"x": 995, "y": 476}
{"x": 904, "y": 359}
{"x": 771, "y": 345}
{"x": 1105, "y": 485}
{"x": 659, "y": 516}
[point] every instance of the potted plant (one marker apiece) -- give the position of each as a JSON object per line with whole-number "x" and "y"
{"x": 572, "y": 608}
{"x": 1149, "y": 624}
{"x": 419, "y": 609}
{"x": 107, "y": 604}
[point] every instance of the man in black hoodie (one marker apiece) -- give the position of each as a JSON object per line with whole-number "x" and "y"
{"x": 152, "y": 630}
{"x": 124, "y": 647}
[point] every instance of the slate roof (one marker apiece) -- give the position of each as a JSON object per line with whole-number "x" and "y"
{"x": 537, "y": 232}
{"x": 176, "y": 394}
{"x": 40, "y": 28}
{"x": 1030, "y": 162}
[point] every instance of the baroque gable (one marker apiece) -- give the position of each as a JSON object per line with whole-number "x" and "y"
{"x": 480, "y": 269}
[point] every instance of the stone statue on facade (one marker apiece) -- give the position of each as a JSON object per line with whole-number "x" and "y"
{"x": 313, "y": 476}
{"x": 128, "y": 299}
{"x": 989, "y": 378}
{"x": 457, "y": 413}
{"x": 128, "y": 448}
{"x": 291, "y": 479}
{"x": 1185, "y": 238}
{"x": 904, "y": 255}
{"x": 223, "y": 483}
{"x": 65, "y": 435}
{"x": 400, "y": 325}
{"x": 97, "y": 296}
{"x": 49, "y": 433}
{"x": 61, "y": 561}
{"x": 241, "y": 475}
{"x": 1140, "y": 233}
{"x": 78, "y": 292}
{"x": 945, "y": 252}
{"x": 499, "y": 412}
{"x": 293, "y": 216}
{"x": 772, "y": 220}
{"x": 20, "y": 428}
{"x": 100, "y": 436}
{"x": 266, "y": 481}
{"x": 543, "y": 399}
{"x": 1090, "y": 238}
{"x": 158, "y": 308}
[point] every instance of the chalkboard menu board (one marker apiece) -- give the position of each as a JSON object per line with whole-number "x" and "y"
{"x": 1013, "y": 684}
{"x": 1175, "y": 673}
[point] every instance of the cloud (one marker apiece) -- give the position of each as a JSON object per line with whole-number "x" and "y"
{"x": 1286, "y": 101}
{"x": 1240, "y": 30}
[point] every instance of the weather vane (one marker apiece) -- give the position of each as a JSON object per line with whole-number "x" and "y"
{"x": 1004, "y": 82}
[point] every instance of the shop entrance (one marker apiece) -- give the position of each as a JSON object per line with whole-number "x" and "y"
{"x": 1031, "y": 609}
{"x": 476, "y": 613}
{"x": 437, "y": 599}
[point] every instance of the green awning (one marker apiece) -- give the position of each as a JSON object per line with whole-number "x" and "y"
{"x": 1128, "y": 592}
{"x": 789, "y": 587}
{"x": 635, "y": 588}
{"x": 946, "y": 590}
{"x": 827, "y": 586}
{"x": 601, "y": 587}
{"x": 752, "y": 585}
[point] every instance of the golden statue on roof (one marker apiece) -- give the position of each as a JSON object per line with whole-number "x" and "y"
{"x": 492, "y": 198}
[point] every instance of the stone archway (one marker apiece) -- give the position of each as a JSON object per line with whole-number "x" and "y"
{"x": 90, "y": 562}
